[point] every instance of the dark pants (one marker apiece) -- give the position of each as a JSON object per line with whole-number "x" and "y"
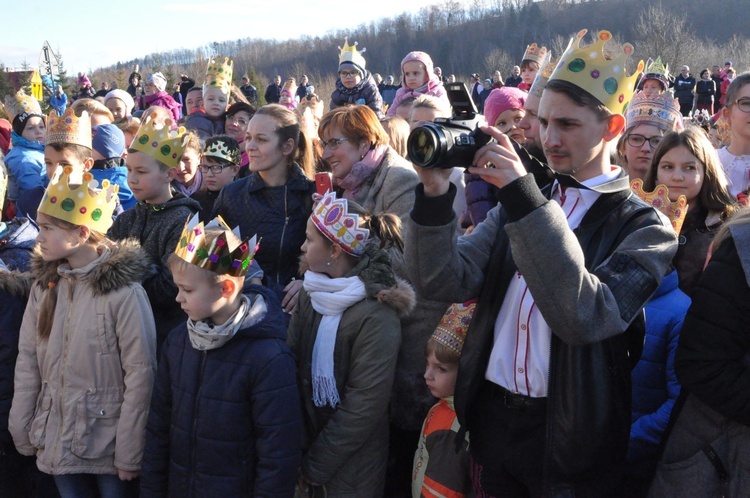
{"x": 94, "y": 486}
{"x": 403, "y": 445}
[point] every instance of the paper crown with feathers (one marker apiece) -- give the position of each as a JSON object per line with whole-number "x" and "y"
{"x": 662, "y": 111}
{"x": 591, "y": 69}
{"x": 535, "y": 53}
{"x": 542, "y": 76}
{"x": 20, "y": 103}
{"x": 332, "y": 217}
{"x": 656, "y": 70}
{"x": 224, "y": 253}
{"x": 69, "y": 128}
{"x": 349, "y": 53}
{"x": 86, "y": 204}
{"x": 163, "y": 144}
{"x": 659, "y": 199}
{"x": 452, "y": 329}
{"x": 219, "y": 74}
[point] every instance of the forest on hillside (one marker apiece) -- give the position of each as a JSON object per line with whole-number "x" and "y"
{"x": 479, "y": 36}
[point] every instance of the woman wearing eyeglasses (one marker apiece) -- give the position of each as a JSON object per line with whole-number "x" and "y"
{"x": 275, "y": 200}
{"x": 647, "y": 118}
{"x": 235, "y": 125}
{"x": 355, "y": 84}
{"x": 735, "y": 157}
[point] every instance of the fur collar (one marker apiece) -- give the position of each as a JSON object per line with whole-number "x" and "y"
{"x": 16, "y": 283}
{"x": 127, "y": 264}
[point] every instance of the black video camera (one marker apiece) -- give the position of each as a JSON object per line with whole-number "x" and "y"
{"x": 449, "y": 142}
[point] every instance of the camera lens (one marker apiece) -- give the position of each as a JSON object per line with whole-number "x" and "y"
{"x": 424, "y": 146}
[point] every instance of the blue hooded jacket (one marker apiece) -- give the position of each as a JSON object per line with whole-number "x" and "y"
{"x": 25, "y": 163}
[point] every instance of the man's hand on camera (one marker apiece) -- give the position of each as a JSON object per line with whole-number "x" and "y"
{"x": 497, "y": 162}
{"x": 436, "y": 181}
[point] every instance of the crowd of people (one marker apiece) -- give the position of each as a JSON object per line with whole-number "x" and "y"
{"x": 201, "y": 296}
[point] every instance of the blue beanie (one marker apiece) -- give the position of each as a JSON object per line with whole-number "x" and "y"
{"x": 108, "y": 140}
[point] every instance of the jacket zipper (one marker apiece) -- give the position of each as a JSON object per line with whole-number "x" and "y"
{"x": 193, "y": 435}
{"x": 62, "y": 366}
{"x": 283, "y": 232}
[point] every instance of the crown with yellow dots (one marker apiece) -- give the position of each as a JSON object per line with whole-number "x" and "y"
{"x": 659, "y": 199}
{"x": 334, "y": 221}
{"x": 349, "y": 53}
{"x": 598, "y": 73}
{"x": 656, "y": 70}
{"x": 20, "y": 103}
{"x": 542, "y": 76}
{"x": 163, "y": 144}
{"x": 69, "y": 128}
{"x": 662, "y": 111}
{"x": 219, "y": 74}
{"x": 535, "y": 53}
{"x": 87, "y": 203}
{"x": 215, "y": 247}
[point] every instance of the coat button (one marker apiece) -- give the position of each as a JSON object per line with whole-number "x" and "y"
{"x": 305, "y": 382}
{"x": 101, "y": 412}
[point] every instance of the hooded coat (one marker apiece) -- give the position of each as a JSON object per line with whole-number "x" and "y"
{"x": 25, "y": 163}
{"x": 364, "y": 93}
{"x": 82, "y": 395}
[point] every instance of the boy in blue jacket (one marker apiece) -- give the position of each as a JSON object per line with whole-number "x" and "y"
{"x": 225, "y": 414}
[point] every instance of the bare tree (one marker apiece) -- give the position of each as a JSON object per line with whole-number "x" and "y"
{"x": 664, "y": 33}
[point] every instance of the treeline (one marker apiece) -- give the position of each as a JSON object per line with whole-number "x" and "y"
{"x": 478, "y": 36}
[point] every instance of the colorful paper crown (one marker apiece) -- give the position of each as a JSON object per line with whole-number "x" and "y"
{"x": 451, "y": 331}
{"x": 603, "y": 77}
{"x": 349, "y": 53}
{"x": 69, "y": 128}
{"x": 659, "y": 199}
{"x": 661, "y": 110}
{"x": 86, "y": 204}
{"x": 219, "y": 75}
{"x": 332, "y": 218}
{"x": 290, "y": 86}
{"x": 542, "y": 76}
{"x": 223, "y": 253}
{"x": 535, "y": 53}
{"x": 163, "y": 144}
{"x": 20, "y": 103}
{"x": 656, "y": 70}
{"x": 224, "y": 151}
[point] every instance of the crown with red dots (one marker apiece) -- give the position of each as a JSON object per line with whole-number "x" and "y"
{"x": 163, "y": 144}
{"x": 221, "y": 149}
{"x": 542, "y": 76}
{"x": 659, "y": 199}
{"x": 69, "y": 128}
{"x": 219, "y": 74}
{"x": 662, "y": 111}
{"x": 332, "y": 218}
{"x": 215, "y": 247}
{"x": 452, "y": 329}
{"x": 596, "y": 70}
{"x": 87, "y": 203}
{"x": 535, "y": 53}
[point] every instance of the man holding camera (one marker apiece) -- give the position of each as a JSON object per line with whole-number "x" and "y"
{"x": 544, "y": 378}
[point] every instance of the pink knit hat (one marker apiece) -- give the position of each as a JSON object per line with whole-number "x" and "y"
{"x": 502, "y": 99}
{"x": 419, "y": 57}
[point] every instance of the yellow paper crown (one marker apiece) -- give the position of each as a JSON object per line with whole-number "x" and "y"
{"x": 163, "y": 144}
{"x": 333, "y": 219}
{"x": 218, "y": 74}
{"x": 86, "y": 204}
{"x": 656, "y": 70}
{"x": 349, "y": 53}
{"x": 659, "y": 199}
{"x": 223, "y": 254}
{"x": 662, "y": 111}
{"x": 290, "y": 86}
{"x": 21, "y": 103}
{"x": 69, "y": 128}
{"x": 542, "y": 76}
{"x": 535, "y": 53}
{"x": 603, "y": 77}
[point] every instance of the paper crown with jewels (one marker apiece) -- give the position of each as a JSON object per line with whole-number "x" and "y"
{"x": 69, "y": 128}
{"x": 20, "y": 103}
{"x": 334, "y": 221}
{"x": 542, "y": 76}
{"x": 221, "y": 149}
{"x": 290, "y": 86}
{"x": 163, "y": 144}
{"x": 535, "y": 53}
{"x": 452, "y": 329}
{"x": 656, "y": 70}
{"x": 219, "y": 74}
{"x": 590, "y": 69}
{"x": 662, "y": 111}
{"x": 659, "y": 199}
{"x": 349, "y": 53}
{"x": 87, "y": 204}
{"x": 224, "y": 253}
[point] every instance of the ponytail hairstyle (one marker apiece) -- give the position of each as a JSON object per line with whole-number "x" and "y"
{"x": 48, "y": 303}
{"x": 385, "y": 227}
{"x": 288, "y": 128}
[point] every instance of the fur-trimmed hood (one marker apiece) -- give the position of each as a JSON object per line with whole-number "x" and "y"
{"x": 16, "y": 283}
{"x": 376, "y": 272}
{"x": 126, "y": 263}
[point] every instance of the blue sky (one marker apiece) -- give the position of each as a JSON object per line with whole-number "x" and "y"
{"x": 90, "y": 34}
